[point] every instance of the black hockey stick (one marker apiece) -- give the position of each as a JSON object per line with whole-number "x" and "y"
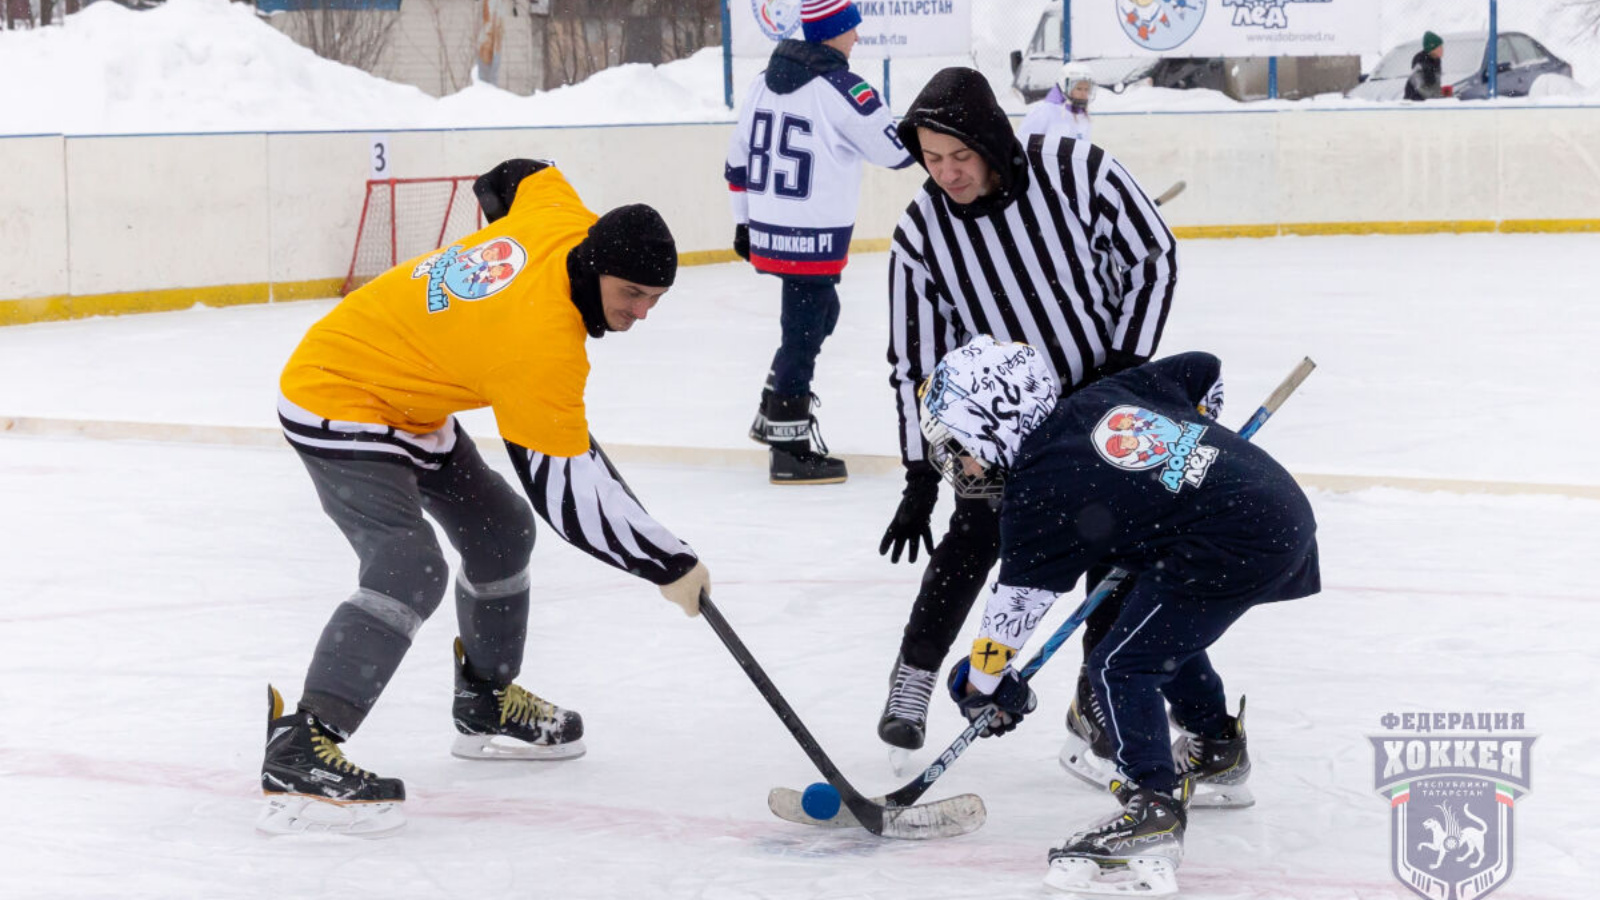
{"x": 942, "y": 818}
{"x": 1171, "y": 192}
{"x": 785, "y": 802}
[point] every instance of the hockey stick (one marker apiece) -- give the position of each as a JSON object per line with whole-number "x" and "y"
{"x": 1171, "y": 192}
{"x": 942, "y": 818}
{"x": 783, "y": 801}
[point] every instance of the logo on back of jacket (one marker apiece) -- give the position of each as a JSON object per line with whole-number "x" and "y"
{"x": 1136, "y": 439}
{"x": 470, "y": 273}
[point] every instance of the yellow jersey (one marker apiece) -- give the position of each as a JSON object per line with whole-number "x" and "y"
{"x": 486, "y": 321}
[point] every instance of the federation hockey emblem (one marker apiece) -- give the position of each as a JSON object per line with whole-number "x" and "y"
{"x": 470, "y": 273}
{"x": 778, "y": 19}
{"x": 1136, "y": 439}
{"x": 1160, "y": 24}
{"x": 1451, "y": 799}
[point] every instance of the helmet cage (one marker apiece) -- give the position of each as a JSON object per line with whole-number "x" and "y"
{"x": 947, "y": 456}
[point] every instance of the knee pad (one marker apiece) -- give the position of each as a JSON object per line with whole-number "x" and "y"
{"x": 411, "y": 573}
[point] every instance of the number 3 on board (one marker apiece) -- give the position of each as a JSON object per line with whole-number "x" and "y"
{"x": 380, "y": 156}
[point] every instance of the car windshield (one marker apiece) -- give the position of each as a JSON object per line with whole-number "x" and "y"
{"x": 1463, "y": 56}
{"x": 1047, "y": 37}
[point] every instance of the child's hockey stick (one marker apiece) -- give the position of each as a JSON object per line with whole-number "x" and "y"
{"x": 785, "y": 803}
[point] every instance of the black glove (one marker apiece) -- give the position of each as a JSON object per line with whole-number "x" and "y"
{"x": 1011, "y": 700}
{"x": 912, "y": 520}
{"x": 496, "y": 188}
{"x": 741, "y": 241}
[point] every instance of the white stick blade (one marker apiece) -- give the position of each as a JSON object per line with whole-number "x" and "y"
{"x": 949, "y": 817}
{"x": 785, "y": 804}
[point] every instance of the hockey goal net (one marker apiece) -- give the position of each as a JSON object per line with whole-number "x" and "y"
{"x": 403, "y": 218}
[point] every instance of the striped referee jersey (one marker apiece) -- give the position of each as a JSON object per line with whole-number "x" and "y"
{"x": 1078, "y": 264}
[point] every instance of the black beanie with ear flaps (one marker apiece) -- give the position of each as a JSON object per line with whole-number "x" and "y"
{"x": 630, "y": 242}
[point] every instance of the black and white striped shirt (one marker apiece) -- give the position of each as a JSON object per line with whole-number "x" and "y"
{"x": 1079, "y": 265}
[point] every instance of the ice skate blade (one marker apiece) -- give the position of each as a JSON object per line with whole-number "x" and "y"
{"x": 1221, "y": 796}
{"x": 1143, "y": 876}
{"x": 825, "y": 480}
{"x": 302, "y": 814}
{"x": 494, "y": 746}
{"x": 1080, "y": 762}
{"x": 949, "y": 817}
{"x": 899, "y": 760}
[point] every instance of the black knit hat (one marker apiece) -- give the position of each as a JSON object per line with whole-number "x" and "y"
{"x": 632, "y": 243}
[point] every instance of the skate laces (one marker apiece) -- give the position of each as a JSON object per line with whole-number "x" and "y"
{"x": 913, "y": 687}
{"x": 519, "y": 706}
{"x": 330, "y": 755}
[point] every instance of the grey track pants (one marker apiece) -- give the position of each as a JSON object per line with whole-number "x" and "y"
{"x": 379, "y": 505}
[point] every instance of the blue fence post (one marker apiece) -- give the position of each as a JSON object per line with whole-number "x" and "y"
{"x": 1066, "y": 30}
{"x": 1494, "y": 49}
{"x": 727, "y": 55}
{"x": 1272, "y": 78}
{"x": 886, "y": 84}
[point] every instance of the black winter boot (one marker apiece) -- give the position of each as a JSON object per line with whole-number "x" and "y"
{"x": 798, "y": 455}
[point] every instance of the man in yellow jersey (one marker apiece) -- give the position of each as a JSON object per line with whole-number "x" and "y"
{"x": 497, "y": 319}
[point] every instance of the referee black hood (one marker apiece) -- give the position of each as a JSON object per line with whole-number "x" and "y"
{"x": 959, "y": 102}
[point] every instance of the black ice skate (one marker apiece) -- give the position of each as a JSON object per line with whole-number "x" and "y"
{"x": 506, "y": 722}
{"x": 310, "y": 787}
{"x": 905, "y": 714}
{"x": 1086, "y": 754}
{"x": 798, "y": 454}
{"x": 1135, "y": 853}
{"x": 1219, "y": 766}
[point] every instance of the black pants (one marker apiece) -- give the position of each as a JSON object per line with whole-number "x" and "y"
{"x": 810, "y": 312}
{"x": 1154, "y": 654}
{"x": 957, "y": 571}
{"x": 403, "y": 574}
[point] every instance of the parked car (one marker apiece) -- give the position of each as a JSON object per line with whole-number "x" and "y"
{"x": 1465, "y": 67}
{"x": 1035, "y": 68}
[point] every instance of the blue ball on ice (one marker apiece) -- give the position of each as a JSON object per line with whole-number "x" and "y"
{"x": 820, "y": 801}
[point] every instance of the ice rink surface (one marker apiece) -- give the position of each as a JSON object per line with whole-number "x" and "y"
{"x": 152, "y": 589}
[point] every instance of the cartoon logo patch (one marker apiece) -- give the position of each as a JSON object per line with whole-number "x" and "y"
{"x": 1160, "y": 24}
{"x": 1135, "y": 439}
{"x": 778, "y": 19}
{"x": 471, "y": 273}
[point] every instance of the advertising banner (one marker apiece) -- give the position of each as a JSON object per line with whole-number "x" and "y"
{"x": 889, "y": 28}
{"x": 1117, "y": 28}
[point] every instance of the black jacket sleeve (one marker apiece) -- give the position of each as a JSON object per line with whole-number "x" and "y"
{"x": 497, "y": 188}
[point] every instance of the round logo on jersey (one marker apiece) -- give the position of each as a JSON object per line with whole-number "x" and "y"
{"x": 1133, "y": 438}
{"x": 1160, "y": 24}
{"x": 471, "y": 273}
{"x": 778, "y": 19}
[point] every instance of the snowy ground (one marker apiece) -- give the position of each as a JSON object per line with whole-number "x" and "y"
{"x": 152, "y": 589}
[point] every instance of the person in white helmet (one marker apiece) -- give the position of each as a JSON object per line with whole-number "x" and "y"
{"x": 1064, "y": 112}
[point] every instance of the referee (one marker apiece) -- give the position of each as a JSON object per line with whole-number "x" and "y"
{"x": 1053, "y": 245}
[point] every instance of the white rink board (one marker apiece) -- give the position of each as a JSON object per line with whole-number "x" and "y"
{"x": 144, "y": 213}
{"x": 33, "y": 217}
